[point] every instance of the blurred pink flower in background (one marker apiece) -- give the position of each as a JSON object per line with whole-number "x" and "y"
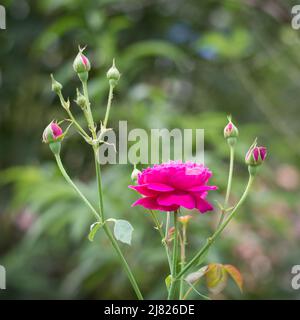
{"x": 24, "y": 220}
{"x": 171, "y": 185}
{"x": 287, "y": 177}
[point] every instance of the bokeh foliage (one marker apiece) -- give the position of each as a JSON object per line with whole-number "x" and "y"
{"x": 184, "y": 64}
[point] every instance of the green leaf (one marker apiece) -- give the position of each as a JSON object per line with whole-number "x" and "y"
{"x": 235, "y": 275}
{"x": 93, "y": 229}
{"x": 123, "y": 231}
{"x": 216, "y": 278}
{"x": 168, "y": 281}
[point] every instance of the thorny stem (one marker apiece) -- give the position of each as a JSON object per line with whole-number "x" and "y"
{"x": 229, "y": 183}
{"x": 212, "y": 239}
{"x": 172, "y": 289}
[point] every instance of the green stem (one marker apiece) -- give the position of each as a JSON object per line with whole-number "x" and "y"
{"x": 99, "y": 185}
{"x": 72, "y": 184}
{"x": 105, "y": 227}
{"x": 89, "y": 116}
{"x": 182, "y": 260}
{"x": 110, "y": 97}
{"x": 109, "y": 234}
{"x": 124, "y": 262}
{"x": 172, "y": 290}
{"x": 212, "y": 239}
{"x": 81, "y": 130}
{"x": 229, "y": 182}
{"x": 163, "y": 238}
{"x": 167, "y": 224}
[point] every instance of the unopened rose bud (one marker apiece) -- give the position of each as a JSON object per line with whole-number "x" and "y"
{"x": 231, "y": 133}
{"x": 52, "y": 135}
{"x": 81, "y": 63}
{"x": 80, "y": 100}
{"x": 256, "y": 155}
{"x": 185, "y": 219}
{"x": 135, "y": 174}
{"x": 113, "y": 74}
{"x": 56, "y": 86}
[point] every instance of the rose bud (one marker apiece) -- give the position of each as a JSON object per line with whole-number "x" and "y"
{"x": 53, "y": 135}
{"x": 56, "y": 86}
{"x": 81, "y": 63}
{"x": 80, "y": 100}
{"x": 231, "y": 132}
{"x": 256, "y": 155}
{"x": 113, "y": 74}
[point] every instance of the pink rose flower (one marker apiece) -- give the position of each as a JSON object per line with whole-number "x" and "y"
{"x": 169, "y": 186}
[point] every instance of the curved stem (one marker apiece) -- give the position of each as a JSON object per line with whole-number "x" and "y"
{"x": 72, "y": 184}
{"x": 172, "y": 290}
{"x": 110, "y": 97}
{"x": 212, "y": 239}
{"x": 228, "y": 190}
{"x": 163, "y": 238}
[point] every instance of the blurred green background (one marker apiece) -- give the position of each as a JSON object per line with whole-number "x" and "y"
{"x": 184, "y": 64}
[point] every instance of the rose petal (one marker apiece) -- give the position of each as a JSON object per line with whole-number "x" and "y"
{"x": 203, "y": 205}
{"x": 151, "y": 203}
{"x": 202, "y": 188}
{"x": 263, "y": 152}
{"x": 142, "y": 189}
{"x": 256, "y": 154}
{"x": 159, "y": 187}
{"x": 185, "y": 200}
